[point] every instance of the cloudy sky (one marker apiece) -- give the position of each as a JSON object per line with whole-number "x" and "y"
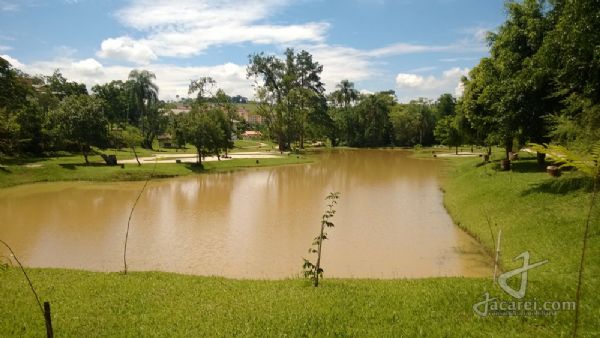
{"x": 419, "y": 48}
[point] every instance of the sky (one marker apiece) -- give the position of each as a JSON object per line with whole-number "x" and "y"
{"x": 419, "y": 48}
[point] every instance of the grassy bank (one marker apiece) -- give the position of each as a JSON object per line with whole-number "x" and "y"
{"x": 72, "y": 167}
{"x": 536, "y": 213}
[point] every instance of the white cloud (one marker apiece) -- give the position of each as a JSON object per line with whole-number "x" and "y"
{"x": 4, "y": 48}
{"x": 412, "y": 80}
{"x": 15, "y": 5}
{"x": 88, "y": 67}
{"x": 188, "y": 27}
{"x": 13, "y": 62}
{"x": 125, "y": 48}
{"x": 7, "y": 6}
{"x": 172, "y": 80}
{"x": 340, "y": 62}
{"x": 410, "y": 86}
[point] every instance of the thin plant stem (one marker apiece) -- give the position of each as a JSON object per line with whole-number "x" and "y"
{"x": 131, "y": 214}
{"x": 583, "y": 252}
{"x": 37, "y": 298}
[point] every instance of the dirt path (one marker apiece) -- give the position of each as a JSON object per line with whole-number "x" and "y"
{"x": 192, "y": 158}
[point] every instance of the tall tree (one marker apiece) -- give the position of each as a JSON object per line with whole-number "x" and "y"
{"x": 345, "y": 94}
{"x": 289, "y": 90}
{"x": 204, "y": 132}
{"x": 80, "y": 120}
{"x": 445, "y": 105}
{"x": 507, "y": 95}
{"x": 116, "y": 97}
{"x": 144, "y": 96}
{"x": 203, "y": 87}
{"x": 373, "y": 113}
{"x": 61, "y": 87}
{"x": 405, "y": 125}
{"x": 571, "y": 51}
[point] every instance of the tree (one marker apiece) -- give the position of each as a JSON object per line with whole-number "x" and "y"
{"x": 13, "y": 88}
{"x": 129, "y": 137}
{"x": 9, "y": 131}
{"x": 226, "y": 118}
{"x": 448, "y": 133}
{"x": 345, "y": 95}
{"x": 203, "y": 132}
{"x": 445, "y": 105}
{"x": 116, "y": 97}
{"x": 289, "y": 91}
{"x": 203, "y": 86}
{"x": 507, "y": 96}
{"x": 405, "y": 125}
{"x": 81, "y": 121}
{"x": 373, "y": 113}
{"x": 61, "y": 88}
{"x": 422, "y": 111}
{"x": 176, "y": 127}
{"x": 13, "y": 98}
{"x": 143, "y": 93}
{"x": 570, "y": 51}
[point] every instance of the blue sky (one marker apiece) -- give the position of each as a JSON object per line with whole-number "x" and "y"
{"x": 417, "y": 48}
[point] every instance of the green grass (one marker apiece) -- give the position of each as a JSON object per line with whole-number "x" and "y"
{"x": 72, "y": 168}
{"x": 161, "y": 304}
{"x": 536, "y": 213}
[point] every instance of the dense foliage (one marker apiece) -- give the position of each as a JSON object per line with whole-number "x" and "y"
{"x": 541, "y": 80}
{"x": 540, "y": 83}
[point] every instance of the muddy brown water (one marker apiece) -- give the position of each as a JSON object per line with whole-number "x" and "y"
{"x": 256, "y": 223}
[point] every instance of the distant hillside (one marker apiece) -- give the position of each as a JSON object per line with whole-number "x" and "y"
{"x": 250, "y": 106}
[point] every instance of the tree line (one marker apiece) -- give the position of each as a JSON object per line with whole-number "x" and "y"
{"x": 49, "y": 114}
{"x": 540, "y": 83}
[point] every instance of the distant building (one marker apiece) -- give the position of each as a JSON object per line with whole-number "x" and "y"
{"x": 181, "y": 108}
{"x": 165, "y": 141}
{"x": 250, "y": 117}
{"x": 252, "y": 134}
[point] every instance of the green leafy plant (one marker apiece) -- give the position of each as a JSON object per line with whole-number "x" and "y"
{"x": 314, "y": 271}
{"x": 589, "y": 164}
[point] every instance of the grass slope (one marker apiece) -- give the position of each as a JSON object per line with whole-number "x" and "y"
{"x": 536, "y": 213}
{"x": 72, "y": 168}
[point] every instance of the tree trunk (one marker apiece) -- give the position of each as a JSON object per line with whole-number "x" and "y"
{"x": 456, "y": 150}
{"x": 281, "y": 143}
{"x": 508, "y": 147}
{"x": 318, "y": 265}
{"x": 541, "y": 159}
{"x": 136, "y": 157}
{"x": 84, "y": 152}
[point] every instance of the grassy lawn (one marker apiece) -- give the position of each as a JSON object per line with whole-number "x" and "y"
{"x": 535, "y": 212}
{"x": 72, "y": 168}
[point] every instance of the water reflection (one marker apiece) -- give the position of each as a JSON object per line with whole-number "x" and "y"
{"x": 256, "y": 223}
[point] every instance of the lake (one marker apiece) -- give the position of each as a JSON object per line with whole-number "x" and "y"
{"x": 255, "y": 223}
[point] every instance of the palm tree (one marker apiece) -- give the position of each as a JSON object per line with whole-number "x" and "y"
{"x": 144, "y": 95}
{"x": 346, "y": 92}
